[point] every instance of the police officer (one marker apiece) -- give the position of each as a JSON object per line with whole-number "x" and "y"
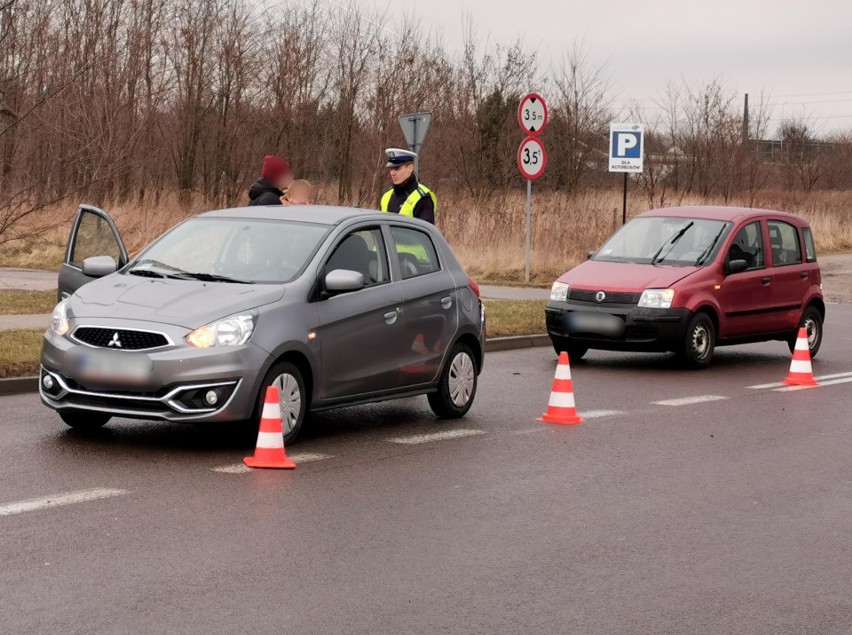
{"x": 407, "y": 196}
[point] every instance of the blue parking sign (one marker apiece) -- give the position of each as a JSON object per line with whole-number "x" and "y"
{"x": 626, "y": 147}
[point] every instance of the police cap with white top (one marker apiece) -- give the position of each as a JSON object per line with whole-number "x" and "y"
{"x": 396, "y": 157}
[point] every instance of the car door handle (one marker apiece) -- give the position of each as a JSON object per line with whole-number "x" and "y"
{"x": 390, "y": 316}
{"x": 765, "y": 281}
{"x": 447, "y": 302}
{"x": 804, "y": 275}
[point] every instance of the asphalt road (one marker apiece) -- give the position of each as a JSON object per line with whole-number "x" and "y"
{"x": 689, "y": 502}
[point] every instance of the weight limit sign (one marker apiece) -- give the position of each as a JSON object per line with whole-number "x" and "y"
{"x": 532, "y": 158}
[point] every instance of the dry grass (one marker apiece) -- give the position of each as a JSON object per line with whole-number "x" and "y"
{"x": 486, "y": 233}
{"x": 515, "y": 317}
{"x": 20, "y": 352}
{"x": 26, "y": 302}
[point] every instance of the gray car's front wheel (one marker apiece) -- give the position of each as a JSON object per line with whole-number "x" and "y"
{"x": 292, "y": 399}
{"x": 457, "y": 386}
{"x": 84, "y": 419}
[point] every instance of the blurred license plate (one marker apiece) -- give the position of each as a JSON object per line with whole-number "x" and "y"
{"x": 594, "y": 323}
{"x": 111, "y": 366}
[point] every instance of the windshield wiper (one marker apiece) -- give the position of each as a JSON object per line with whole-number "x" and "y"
{"x": 709, "y": 250}
{"x": 147, "y": 273}
{"x": 209, "y": 277}
{"x": 671, "y": 242}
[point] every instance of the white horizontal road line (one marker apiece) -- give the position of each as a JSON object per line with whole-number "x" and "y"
{"x": 436, "y": 436}
{"x": 780, "y": 384}
{"x": 830, "y": 382}
{"x": 57, "y": 500}
{"x": 688, "y": 401}
{"x": 298, "y": 457}
{"x": 595, "y": 414}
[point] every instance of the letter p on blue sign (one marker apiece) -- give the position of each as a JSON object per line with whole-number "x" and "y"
{"x": 627, "y": 144}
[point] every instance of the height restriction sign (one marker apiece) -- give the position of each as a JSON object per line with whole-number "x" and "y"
{"x": 532, "y": 158}
{"x": 532, "y": 114}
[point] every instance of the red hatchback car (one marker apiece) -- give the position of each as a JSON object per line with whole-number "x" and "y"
{"x": 689, "y": 279}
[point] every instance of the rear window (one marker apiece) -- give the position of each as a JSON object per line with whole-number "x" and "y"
{"x": 784, "y": 242}
{"x": 810, "y": 247}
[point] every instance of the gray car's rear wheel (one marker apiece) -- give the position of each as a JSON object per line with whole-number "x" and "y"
{"x": 457, "y": 386}
{"x": 84, "y": 419}
{"x": 292, "y": 398}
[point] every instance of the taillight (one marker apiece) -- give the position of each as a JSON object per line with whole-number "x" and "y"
{"x": 473, "y": 286}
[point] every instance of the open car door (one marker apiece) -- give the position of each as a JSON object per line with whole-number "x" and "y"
{"x": 93, "y": 234}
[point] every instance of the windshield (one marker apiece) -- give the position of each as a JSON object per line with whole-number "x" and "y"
{"x": 231, "y": 250}
{"x": 664, "y": 240}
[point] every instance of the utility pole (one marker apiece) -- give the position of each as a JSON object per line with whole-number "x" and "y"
{"x": 745, "y": 119}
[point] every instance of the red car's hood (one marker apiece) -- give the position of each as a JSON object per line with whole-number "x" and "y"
{"x": 624, "y": 276}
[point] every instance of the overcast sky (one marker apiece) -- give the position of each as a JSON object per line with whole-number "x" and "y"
{"x": 799, "y": 52}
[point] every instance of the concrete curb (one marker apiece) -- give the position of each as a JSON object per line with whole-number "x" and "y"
{"x": 514, "y": 343}
{"x": 22, "y": 385}
{"x": 18, "y": 385}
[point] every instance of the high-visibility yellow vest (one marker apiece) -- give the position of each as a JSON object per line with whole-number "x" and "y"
{"x": 407, "y": 208}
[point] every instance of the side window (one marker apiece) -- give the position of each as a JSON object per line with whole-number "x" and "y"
{"x": 810, "y": 248}
{"x": 748, "y": 246}
{"x": 362, "y": 251}
{"x": 415, "y": 252}
{"x": 94, "y": 238}
{"x": 784, "y": 240}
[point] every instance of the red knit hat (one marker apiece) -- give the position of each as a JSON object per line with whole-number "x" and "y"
{"x": 274, "y": 167}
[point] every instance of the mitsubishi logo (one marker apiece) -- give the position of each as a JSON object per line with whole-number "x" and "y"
{"x": 114, "y": 341}
{"x": 600, "y": 296}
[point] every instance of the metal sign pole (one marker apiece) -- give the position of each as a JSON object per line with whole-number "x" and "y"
{"x": 529, "y": 237}
{"x": 413, "y": 148}
{"x": 624, "y": 203}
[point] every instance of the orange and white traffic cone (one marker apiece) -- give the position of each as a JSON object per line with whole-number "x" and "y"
{"x": 801, "y": 372}
{"x": 561, "y": 408}
{"x": 270, "y": 452}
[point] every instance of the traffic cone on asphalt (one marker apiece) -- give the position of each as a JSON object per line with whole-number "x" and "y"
{"x": 269, "y": 452}
{"x": 560, "y": 408}
{"x": 801, "y": 372}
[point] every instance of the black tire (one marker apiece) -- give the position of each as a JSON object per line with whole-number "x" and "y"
{"x": 292, "y": 425}
{"x": 460, "y": 377}
{"x": 564, "y": 345}
{"x": 812, "y": 321}
{"x": 699, "y": 342}
{"x": 84, "y": 419}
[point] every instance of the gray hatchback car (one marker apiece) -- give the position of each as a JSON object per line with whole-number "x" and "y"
{"x": 334, "y": 306}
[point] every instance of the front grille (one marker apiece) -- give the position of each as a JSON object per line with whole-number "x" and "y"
{"x": 119, "y": 339}
{"x": 612, "y": 297}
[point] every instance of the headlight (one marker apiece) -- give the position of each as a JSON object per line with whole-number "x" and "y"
{"x": 58, "y": 324}
{"x": 657, "y": 298}
{"x": 559, "y": 292}
{"x": 230, "y": 331}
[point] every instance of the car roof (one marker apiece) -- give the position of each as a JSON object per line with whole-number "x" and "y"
{"x": 322, "y": 214}
{"x": 722, "y": 213}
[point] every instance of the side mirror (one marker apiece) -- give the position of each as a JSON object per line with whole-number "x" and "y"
{"x": 99, "y": 266}
{"x": 343, "y": 281}
{"x": 736, "y": 266}
{"x": 590, "y": 254}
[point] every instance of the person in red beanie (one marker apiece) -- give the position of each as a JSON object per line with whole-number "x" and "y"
{"x": 275, "y": 177}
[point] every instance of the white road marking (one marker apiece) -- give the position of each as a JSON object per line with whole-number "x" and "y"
{"x": 688, "y": 401}
{"x": 435, "y": 436}
{"x": 780, "y": 384}
{"x": 297, "y": 457}
{"x": 830, "y": 382}
{"x": 595, "y": 414}
{"x": 57, "y": 500}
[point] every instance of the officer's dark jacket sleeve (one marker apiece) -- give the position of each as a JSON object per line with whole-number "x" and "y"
{"x": 425, "y": 209}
